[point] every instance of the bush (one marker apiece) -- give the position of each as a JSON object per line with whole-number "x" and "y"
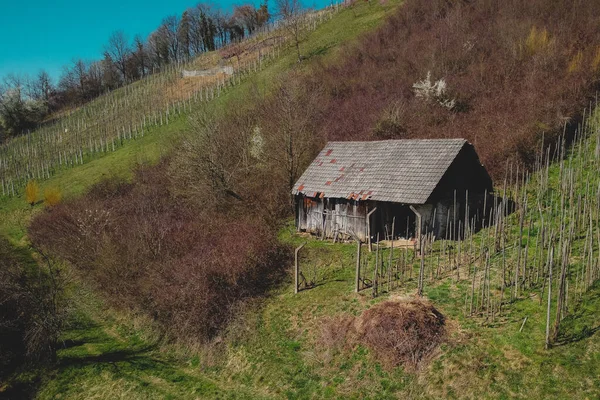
{"x": 31, "y": 309}
{"x": 151, "y": 251}
{"x": 32, "y": 191}
{"x": 52, "y": 196}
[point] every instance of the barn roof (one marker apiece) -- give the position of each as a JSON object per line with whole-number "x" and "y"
{"x": 401, "y": 171}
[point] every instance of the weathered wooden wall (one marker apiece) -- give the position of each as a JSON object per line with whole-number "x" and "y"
{"x": 347, "y": 219}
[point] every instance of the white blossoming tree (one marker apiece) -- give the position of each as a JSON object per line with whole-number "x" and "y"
{"x": 434, "y": 91}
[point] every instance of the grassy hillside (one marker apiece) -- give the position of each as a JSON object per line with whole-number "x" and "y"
{"x": 112, "y": 120}
{"x": 281, "y": 346}
{"x": 492, "y": 288}
{"x": 318, "y": 46}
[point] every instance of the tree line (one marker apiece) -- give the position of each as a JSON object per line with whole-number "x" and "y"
{"x": 25, "y": 102}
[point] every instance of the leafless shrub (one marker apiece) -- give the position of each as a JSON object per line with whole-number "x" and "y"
{"x": 510, "y": 67}
{"x": 149, "y": 250}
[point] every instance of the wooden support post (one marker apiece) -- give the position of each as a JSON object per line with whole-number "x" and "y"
{"x": 297, "y": 267}
{"x": 418, "y": 232}
{"x": 391, "y": 255}
{"x": 357, "y": 279}
{"x": 376, "y": 272}
{"x": 369, "y": 228}
{"x": 549, "y": 298}
{"x": 422, "y": 268}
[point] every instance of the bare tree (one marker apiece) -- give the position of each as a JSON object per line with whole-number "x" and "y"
{"x": 184, "y": 30}
{"x": 140, "y": 56}
{"x": 17, "y": 113}
{"x": 290, "y": 128}
{"x": 213, "y": 160}
{"x": 119, "y": 50}
{"x": 40, "y": 88}
{"x": 246, "y": 17}
{"x": 110, "y": 76}
{"x": 158, "y": 47}
{"x": 291, "y": 11}
{"x": 169, "y": 35}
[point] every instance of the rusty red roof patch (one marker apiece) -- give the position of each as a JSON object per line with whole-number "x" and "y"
{"x": 328, "y": 183}
{"x": 333, "y": 161}
{"x": 301, "y": 187}
{"x": 341, "y": 169}
{"x": 329, "y": 152}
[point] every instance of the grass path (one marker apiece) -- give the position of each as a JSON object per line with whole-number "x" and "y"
{"x": 103, "y": 358}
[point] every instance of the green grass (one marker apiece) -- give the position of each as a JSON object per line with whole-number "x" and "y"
{"x": 107, "y": 356}
{"x": 100, "y": 358}
{"x": 274, "y": 348}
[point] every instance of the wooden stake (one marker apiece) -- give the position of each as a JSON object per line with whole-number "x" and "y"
{"x": 297, "y": 267}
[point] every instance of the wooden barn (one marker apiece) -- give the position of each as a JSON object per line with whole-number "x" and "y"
{"x": 391, "y": 188}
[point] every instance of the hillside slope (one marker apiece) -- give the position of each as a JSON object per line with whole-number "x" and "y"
{"x": 93, "y": 326}
{"x": 318, "y": 47}
{"x": 493, "y": 287}
{"x": 293, "y": 345}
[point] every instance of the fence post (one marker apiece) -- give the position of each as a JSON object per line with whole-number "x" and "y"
{"x": 297, "y": 267}
{"x": 357, "y": 279}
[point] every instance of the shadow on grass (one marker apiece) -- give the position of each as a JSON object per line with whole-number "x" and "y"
{"x": 131, "y": 356}
{"x": 21, "y": 390}
{"x": 309, "y": 286}
{"x": 136, "y": 367}
{"x": 584, "y": 321}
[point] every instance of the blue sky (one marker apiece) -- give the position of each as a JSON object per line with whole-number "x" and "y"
{"x": 46, "y": 34}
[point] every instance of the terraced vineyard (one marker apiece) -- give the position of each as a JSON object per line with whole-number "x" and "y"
{"x": 115, "y": 118}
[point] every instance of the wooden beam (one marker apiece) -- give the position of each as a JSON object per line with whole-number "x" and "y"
{"x": 357, "y": 279}
{"x": 418, "y": 233}
{"x": 369, "y": 228}
{"x": 297, "y": 267}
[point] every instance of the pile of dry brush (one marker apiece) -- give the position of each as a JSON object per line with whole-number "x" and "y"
{"x": 403, "y": 333}
{"x": 513, "y": 71}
